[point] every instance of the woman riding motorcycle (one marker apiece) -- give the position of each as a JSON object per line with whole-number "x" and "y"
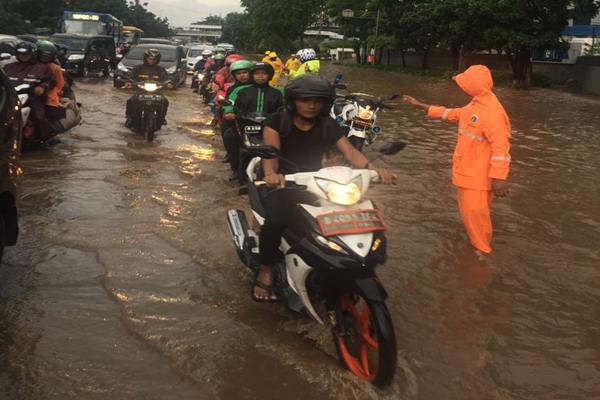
{"x": 148, "y": 71}
{"x": 302, "y": 133}
{"x": 47, "y": 55}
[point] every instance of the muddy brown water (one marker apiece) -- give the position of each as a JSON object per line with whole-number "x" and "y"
{"x": 125, "y": 284}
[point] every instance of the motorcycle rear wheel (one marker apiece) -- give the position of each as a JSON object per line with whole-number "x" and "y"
{"x": 368, "y": 347}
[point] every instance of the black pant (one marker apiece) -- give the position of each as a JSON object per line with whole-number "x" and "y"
{"x": 232, "y": 142}
{"x": 132, "y": 108}
{"x": 282, "y": 210}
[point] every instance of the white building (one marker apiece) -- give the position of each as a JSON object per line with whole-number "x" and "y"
{"x": 199, "y": 33}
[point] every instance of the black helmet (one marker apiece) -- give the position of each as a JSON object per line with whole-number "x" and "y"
{"x": 46, "y": 49}
{"x": 152, "y": 53}
{"x": 309, "y": 86}
{"x": 264, "y": 67}
{"x": 25, "y": 48}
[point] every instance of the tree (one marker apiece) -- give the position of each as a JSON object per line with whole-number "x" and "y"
{"x": 237, "y": 30}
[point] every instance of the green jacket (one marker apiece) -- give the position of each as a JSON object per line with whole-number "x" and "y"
{"x": 313, "y": 67}
{"x": 232, "y": 95}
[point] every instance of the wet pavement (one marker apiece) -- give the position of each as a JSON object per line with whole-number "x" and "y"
{"x": 125, "y": 283}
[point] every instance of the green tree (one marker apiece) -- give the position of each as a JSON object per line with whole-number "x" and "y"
{"x": 211, "y": 20}
{"x": 237, "y": 30}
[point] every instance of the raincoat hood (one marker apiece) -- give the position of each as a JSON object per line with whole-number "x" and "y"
{"x": 476, "y": 81}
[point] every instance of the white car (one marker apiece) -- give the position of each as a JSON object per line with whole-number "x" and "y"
{"x": 7, "y": 49}
{"x": 194, "y": 54}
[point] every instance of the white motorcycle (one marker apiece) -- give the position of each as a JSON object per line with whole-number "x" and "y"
{"x": 329, "y": 273}
{"x": 358, "y": 112}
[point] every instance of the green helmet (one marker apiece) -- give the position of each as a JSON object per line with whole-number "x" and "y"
{"x": 219, "y": 57}
{"x": 240, "y": 65}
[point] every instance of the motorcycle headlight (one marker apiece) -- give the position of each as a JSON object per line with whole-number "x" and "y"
{"x": 172, "y": 70}
{"x": 150, "y": 87}
{"x": 76, "y": 57}
{"x": 365, "y": 113}
{"x": 337, "y": 193}
{"x": 200, "y": 77}
{"x": 122, "y": 68}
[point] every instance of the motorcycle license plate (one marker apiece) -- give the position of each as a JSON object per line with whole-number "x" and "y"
{"x": 362, "y": 123}
{"x": 350, "y": 222}
{"x": 149, "y": 97}
{"x": 253, "y": 129}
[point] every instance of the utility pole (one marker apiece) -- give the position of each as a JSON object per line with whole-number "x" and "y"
{"x": 376, "y": 34}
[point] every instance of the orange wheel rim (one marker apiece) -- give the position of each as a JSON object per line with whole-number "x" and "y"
{"x": 359, "y": 364}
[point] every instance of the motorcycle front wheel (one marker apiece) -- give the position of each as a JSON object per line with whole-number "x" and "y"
{"x": 357, "y": 142}
{"x": 367, "y": 343}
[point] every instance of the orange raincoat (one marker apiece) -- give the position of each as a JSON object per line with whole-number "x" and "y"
{"x": 482, "y": 152}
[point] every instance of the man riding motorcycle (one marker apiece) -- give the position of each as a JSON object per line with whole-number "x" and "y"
{"x": 148, "y": 71}
{"x": 199, "y": 66}
{"x": 223, "y": 77}
{"x": 39, "y": 76}
{"x": 302, "y": 133}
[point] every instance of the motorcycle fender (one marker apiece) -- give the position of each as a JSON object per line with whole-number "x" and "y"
{"x": 297, "y": 271}
{"x": 371, "y": 289}
{"x": 358, "y": 133}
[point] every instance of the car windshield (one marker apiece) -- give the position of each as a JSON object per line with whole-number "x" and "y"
{"x": 84, "y": 27}
{"x": 195, "y": 52}
{"x": 137, "y": 53}
{"x": 73, "y": 44}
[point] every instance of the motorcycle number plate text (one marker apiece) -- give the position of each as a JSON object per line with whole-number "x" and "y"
{"x": 350, "y": 222}
{"x": 149, "y": 97}
{"x": 253, "y": 128}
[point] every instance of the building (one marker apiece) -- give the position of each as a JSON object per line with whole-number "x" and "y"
{"x": 199, "y": 34}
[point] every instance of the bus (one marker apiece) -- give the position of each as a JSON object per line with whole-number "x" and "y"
{"x": 132, "y": 35}
{"x": 91, "y": 23}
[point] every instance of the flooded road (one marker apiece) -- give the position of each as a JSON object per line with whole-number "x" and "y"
{"x": 125, "y": 284}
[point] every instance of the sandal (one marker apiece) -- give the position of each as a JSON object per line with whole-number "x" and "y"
{"x": 268, "y": 288}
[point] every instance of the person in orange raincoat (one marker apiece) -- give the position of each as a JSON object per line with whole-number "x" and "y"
{"x": 481, "y": 159}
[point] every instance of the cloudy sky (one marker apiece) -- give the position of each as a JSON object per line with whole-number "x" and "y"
{"x": 184, "y": 12}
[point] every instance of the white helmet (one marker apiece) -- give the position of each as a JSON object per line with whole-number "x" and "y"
{"x": 207, "y": 53}
{"x": 306, "y": 55}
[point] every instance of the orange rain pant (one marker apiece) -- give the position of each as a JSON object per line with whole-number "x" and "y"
{"x": 474, "y": 207}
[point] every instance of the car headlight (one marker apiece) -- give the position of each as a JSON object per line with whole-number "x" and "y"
{"x": 172, "y": 70}
{"x": 365, "y": 113}
{"x": 345, "y": 195}
{"x": 122, "y": 68}
{"x": 76, "y": 57}
{"x": 150, "y": 87}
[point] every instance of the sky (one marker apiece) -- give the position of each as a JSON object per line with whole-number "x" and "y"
{"x": 184, "y": 12}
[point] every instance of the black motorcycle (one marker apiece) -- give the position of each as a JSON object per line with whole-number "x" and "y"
{"x": 148, "y": 114}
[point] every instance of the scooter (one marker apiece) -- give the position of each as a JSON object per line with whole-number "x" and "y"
{"x": 358, "y": 112}
{"x": 30, "y": 136}
{"x": 150, "y": 105}
{"x": 329, "y": 273}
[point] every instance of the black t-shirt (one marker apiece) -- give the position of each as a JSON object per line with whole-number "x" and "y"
{"x": 306, "y": 149}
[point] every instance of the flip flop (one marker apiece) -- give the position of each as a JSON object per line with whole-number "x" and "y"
{"x": 267, "y": 288}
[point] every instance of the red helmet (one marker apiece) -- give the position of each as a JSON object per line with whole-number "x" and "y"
{"x": 232, "y": 58}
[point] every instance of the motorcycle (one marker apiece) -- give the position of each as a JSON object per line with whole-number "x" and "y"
{"x": 30, "y": 136}
{"x": 329, "y": 273}
{"x": 358, "y": 112}
{"x": 150, "y": 109}
{"x": 197, "y": 78}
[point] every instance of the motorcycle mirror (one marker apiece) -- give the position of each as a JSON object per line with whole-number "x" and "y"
{"x": 338, "y": 79}
{"x": 263, "y": 151}
{"x": 391, "y": 148}
{"x": 340, "y": 86}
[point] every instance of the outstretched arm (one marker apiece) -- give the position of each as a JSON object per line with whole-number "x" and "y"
{"x": 436, "y": 112}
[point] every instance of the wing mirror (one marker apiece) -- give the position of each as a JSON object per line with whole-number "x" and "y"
{"x": 5, "y": 56}
{"x": 391, "y": 148}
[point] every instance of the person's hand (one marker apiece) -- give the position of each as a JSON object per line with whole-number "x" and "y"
{"x": 38, "y": 91}
{"x": 275, "y": 180}
{"x": 229, "y": 116}
{"x": 412, "y": 101}
{"x": 500, "y": 187}
{"x": 386, "y": 176}
{"x": 127, "y": 85}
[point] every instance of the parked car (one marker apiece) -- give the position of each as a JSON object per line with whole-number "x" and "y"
{"x": 88, "y": 54}
{"x": 172, "y": 59}
{"x": 11, "y": 126}
{"x": 7, "y": 49}
{"x": 194, "y": 54}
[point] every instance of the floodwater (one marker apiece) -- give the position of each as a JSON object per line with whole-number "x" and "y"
{"x": 125, "y": 283}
